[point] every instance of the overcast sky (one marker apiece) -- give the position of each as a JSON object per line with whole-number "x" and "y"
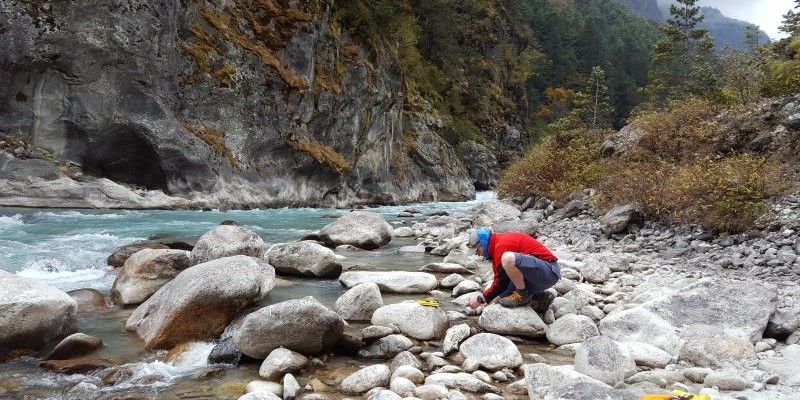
{"x": 765, "y": 13}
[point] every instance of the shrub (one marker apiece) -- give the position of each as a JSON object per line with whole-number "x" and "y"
{"x": 322, "y": 154}
{"x": 215, "y": 138}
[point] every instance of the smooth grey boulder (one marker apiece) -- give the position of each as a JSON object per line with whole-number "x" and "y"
{"x": 382, "y": 394}
{"x": 386, "y": 347}
{"x": 466, "y": 286}
{"x": 290, "y": 387}
{"x": 461, "y": 381}
{"x": 527, "y": 226}
{"x": 366, "y": 378}
{"x": 360, "y": 302}
{"x": 89, "y": 301}
{"x": 226, "y": 241}
{"x": 450, "y": 281}
{"x": 466, "y": 258}
{"x": 783, "y": 322}
{"x": 727, "y": 380}
{"x": 419, "y": 322}
{"x": 708, "y": 307}
{"x": 445, "y": 268}
{"x": 75, "y": 345}
{"x": 274, "y": 388}
{"x": 491, "y": 351}
{"x": 491, "y": 212}
{"x": 120, "y": 255}
{"x": 604, "y": 359}
{"x": 571, "y": 328}
{"x": 305, "y": 258}
{"x": 392, "y": 281}
{"x": 519, "y": 321}
{"x": 260, "y": 395}
{"x": 411, "y": 373}
{"x": 716, "y": 351}
{"x": 302, "y": 325}
{"x": 454, "y": 336}
{"x": 146, "y": 271}
{"x": 619, "y": 218}
{"x": 33, "y": 313}
{"x": 402, "y": 386}
{"x": 405, "y": 358}
{"x": 375, "y": 332}
{"x": 647, "y": 355}
{"x": 563, "y": 382}
{"x": 201, "y": 301}
{"x": 279, "y": 362}
{"x": 785, "y": 366}
{"x": 362, "y": 229}
{"x": 594, "y": 271}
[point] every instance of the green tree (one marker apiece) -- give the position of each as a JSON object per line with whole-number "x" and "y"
{"x": 684, "y": 60}
{"x": 592, "y": 104}
{"x": 791, "y": 21}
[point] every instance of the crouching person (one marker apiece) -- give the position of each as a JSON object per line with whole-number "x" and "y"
{"x": 523, "y": 269}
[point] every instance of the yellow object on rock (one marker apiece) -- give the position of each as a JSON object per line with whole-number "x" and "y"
{"x": 428, "y": 303}
{"x": 676, "y": 395}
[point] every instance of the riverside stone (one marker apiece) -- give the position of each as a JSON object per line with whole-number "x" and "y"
{"x": 647, "y": 355}
{"x": 605, "y": 360}
{"x": 716, "y": 351}
{"x": 201, "y": 301}
{"x": 444, "y": 268}
{"x": 75, "y": 345}
{"x": 304, "y": 258}
{"x": 146, "y": 271}
{"x": 413, "y": 319}
{"x": 563, "y": 382}
{"x": 302, "y": 325}
{"x": 571, "y": 328}
{"x": 454, "y": 336}
{"x": 365, "y": 230}
{"x": 226, "y": 241}
{"x": 360, "y": 302}
{"x": 279, "y": 362}
{"x": 402, "y": 386}
{"x": 392, "y": 281}
{"x": 461, "y": 381}
{"x": 412, "y": 374}
{"x": 89, "y": 301}
{"x": 519, "y": 321}
{"x": 466, "y": 286}
{"x": 366, "y": 378}
{"x": 33, "y": 313}
{"x": 119, "y": 256}
{"x": 450, "y": 281}
{"x": 490, "y": 351}
{"x": 386, "y": 347}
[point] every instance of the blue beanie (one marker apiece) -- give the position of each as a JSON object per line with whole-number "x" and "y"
{"x": 483, "y": 238}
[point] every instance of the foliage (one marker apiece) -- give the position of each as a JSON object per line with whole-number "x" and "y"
{"x": 322, "y": 154}
{"x": 214, "y": 138}
{"x": 592, "y": 104}
{"x": 782, "y": 59}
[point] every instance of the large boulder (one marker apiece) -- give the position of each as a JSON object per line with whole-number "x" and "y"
{"x": 571, "y": 328}
{"x": 492, "y": 212}
{"x": 366, "y": 378}
{"x": 145, "y": 272}
{"x": 120, "y": 255}
{"x": 563, "y": 382}
{"x": 708, "y": 307}
{"x": 491, "y": 351}
{"x": 528, "y": 226}
{"x": 32, "y": 313}
{"x": 419, "y": 322}
{"x": 358, "y": 303}
{"x": 89, "y": 301}
{"x": 386, "y": 347}
{"x": 716, "y": 351}
{"x": 366, "y": 230}
{"x": 75, "y": 345}
{"x": 226, "y": 241}
{"x": 605, "y": 360}
{"x": 201, "y": 301}
{"x": 392, "y": 281}
{"x": 619, "y": 218}
{"x": 305, "y": 258}
{"x": 302, "y": 325}
{"x": 785, "y": 366}
{"x": 519, "y": 321}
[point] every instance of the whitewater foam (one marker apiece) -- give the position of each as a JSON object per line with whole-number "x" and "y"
{"x": 9, "y": 221}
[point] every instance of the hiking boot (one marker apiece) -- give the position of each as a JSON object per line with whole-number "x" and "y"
{"x": 517, "y": 298}
{"x": 542, "y": 302}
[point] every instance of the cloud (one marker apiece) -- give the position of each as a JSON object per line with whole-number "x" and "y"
{"x": 767, "y": 14}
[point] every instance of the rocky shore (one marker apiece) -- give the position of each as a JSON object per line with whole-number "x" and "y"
{"x": 641, "y": 308}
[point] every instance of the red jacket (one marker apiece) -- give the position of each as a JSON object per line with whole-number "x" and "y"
{"x": 515, "y": 242}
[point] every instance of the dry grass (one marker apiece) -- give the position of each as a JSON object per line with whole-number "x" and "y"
{"x": 322, "y": 154}
{"x": 215, "y": 138}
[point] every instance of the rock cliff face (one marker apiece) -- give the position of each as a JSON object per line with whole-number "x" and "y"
{"x": 222, "y": 103}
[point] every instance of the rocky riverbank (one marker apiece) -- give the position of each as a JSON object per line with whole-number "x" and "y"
{"x": 640, "y": 309}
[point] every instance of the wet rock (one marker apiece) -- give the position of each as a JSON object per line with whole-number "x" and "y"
{"x": 279, "y": 362}
{"x": 445, "y": 268}
{"x": 715, "y": 307}
{"x": 419, "y": 322}
{"x": 201, "y": 301}
{"x": 303, "y": 325}
{"x": 454, "y": 336}
{"x": 348, "y": 345}
{"x": 226, "y": 241}
{"x": 225, "y": 352}
{"x": 462, "y": 381}
{"x": 716, "y": 351}
{"x": 89, "y": 301}
{"x": 519, "y": 321}
{"x": 386, "y": 347}
{"x": 32, "y": 314}
{"x": 647, "y": 355}
{"x": 492, "y": 212}
{"x": 80, "y": 365}
{"x": 605, "y": 360}
{"x": 412, "y": 374}
{"x": 366, "y": 378}
{"x": 374, "y": 332}
{"x": 571, "y": 328}
{"x": 358, "y": 303}
{"x": 491, "y": 351}
{"x": 365, "y": 230}
{"x": 290, "y": 387}
{"x": 402, "y": 386}
{"x": 392, "y": 281}
{"x": 619, "y": 218}
{"x": 404, "y": 231}
{"x": 146, "y": 271}
{"x": 75, "y": 345}
{"x": 265, "y": 387}
{"x": 119, "y": 256}
{"x": 305, "y": 258}
{"x": 450, "y": 281}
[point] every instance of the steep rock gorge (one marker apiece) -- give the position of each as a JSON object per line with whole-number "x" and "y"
{"x": 231, "y": 103}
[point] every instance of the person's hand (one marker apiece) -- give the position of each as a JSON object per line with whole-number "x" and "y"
{"x": 476, "y": 301}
